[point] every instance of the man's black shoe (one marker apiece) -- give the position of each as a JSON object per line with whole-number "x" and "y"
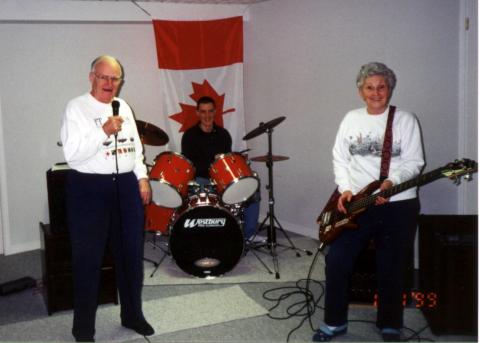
{"x": 142, "y": 328}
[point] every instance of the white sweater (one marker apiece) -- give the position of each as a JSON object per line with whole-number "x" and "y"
{"x": 358, "y": 151}
{"x": 88, "y": 149}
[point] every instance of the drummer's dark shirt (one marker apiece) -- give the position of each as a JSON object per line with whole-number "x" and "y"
{"x": 201, "y": 147}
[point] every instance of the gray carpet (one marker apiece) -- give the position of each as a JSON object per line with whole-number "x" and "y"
{"x": 248, "y": 269}
{"x": 28, "y": 306}
{"x": 166, "y": 315}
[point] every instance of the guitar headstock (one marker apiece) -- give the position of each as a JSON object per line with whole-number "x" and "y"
{"x": 464, "y": 167}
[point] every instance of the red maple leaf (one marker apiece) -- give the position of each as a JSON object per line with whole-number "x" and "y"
{"x": 188, "y": 116}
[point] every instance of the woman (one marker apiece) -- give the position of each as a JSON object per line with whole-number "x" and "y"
{"x": 391, "y": 223}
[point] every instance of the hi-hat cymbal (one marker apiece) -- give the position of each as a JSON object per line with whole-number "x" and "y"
{"x": 275, "y": 158}
{"x": 263, "y": 127}
{"x": 150, "y": 134}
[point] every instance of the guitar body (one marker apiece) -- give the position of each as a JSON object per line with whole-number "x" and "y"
{"x": 332, "y": 222}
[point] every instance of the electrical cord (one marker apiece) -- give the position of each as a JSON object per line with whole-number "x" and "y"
{"x": 305, "y": 309}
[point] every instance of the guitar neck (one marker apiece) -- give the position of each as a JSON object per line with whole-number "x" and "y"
{"x": 420, "y": 180}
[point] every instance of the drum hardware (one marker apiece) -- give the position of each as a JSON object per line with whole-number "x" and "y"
{"x": 150, "y": 134}
{"x": 162, "y": 246}
{"x": 271, "y": 243}
{"x": 275, "y": 158}
{"x": 244, "y": 151}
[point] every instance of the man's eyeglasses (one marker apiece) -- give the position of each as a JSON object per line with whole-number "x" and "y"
{"x": 107, "y": 78}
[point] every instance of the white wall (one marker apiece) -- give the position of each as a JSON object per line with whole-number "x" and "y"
{"x": 468, "y": 101}
{"x": 301, "y": 59}
{"x": 45, "y": 58}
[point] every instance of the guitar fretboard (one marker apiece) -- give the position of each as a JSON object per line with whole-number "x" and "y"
{"x": 420, "y": 180}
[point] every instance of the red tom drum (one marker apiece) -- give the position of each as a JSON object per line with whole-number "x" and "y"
{"x": 233, "y": 178}
{"x": 169, "y": 179}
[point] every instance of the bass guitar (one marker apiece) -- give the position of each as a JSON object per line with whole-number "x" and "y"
{"x": 332, "y": 222}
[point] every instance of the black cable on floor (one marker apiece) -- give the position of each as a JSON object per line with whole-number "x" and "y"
{"x": 416, "y": 335}
{"x": 303, "y": 308}
{"x": 307, "y": 307}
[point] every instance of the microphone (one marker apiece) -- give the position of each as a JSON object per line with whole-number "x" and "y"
{"x": 115, "y": 107}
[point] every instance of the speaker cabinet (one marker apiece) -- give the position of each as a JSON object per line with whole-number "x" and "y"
{"x": 363, "y": 282}
{"x": 56, "y": 180}
{"x": 57, "y": 272}
{"x": 448, "y": 272}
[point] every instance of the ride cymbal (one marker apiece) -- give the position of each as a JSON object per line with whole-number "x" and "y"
{"x": 151, "y": 134}
{"x": 263, "y": 127}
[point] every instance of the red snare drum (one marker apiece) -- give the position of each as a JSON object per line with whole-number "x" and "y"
{"x": 233, "y": 178}
{"x": 169, "y": 179}
{"x": 158, "y": 218}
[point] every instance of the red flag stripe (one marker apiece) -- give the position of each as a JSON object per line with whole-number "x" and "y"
{"x": 198, "y": 44}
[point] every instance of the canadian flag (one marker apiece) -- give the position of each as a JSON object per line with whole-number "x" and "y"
{"x": 201, "y": 58}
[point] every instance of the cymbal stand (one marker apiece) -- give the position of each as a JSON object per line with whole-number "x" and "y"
{"x": 271, "y": 242}
{"x": 165, "y": 250}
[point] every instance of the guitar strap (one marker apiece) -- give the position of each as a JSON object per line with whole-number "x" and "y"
{"x": 387, "y": 146}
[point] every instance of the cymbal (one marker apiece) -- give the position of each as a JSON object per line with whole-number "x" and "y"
{"x": 275, "y": 158}
{"x": 150, "y": 134}
{"x": 263, "y": 127}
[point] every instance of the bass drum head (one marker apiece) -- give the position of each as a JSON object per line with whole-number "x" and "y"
{"x": 206, "y": 241}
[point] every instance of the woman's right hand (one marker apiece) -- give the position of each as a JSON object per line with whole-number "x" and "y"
{"x": 345, "y": 197}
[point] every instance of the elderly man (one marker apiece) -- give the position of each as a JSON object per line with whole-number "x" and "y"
{"x": 106, "y": 190}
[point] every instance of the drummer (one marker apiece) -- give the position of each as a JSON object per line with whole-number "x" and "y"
{"x": 202, "y": 143}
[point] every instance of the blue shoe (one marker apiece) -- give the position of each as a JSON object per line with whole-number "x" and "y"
{"x": 390, "y": 335}
{"x": 325, "y": 334}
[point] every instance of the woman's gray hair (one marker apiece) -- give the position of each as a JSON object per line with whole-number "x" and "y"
{"x": 377, "y": 68}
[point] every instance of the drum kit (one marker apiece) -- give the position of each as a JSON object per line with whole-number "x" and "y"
{"x": 204, "y": 224}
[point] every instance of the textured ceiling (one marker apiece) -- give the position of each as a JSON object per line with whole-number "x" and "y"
{"x": 223, "y": 2}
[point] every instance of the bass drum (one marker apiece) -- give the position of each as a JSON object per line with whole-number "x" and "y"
{"x": 206, "y": 239}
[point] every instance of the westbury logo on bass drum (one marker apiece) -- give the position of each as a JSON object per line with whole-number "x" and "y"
{"x": 205, "y": 222}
